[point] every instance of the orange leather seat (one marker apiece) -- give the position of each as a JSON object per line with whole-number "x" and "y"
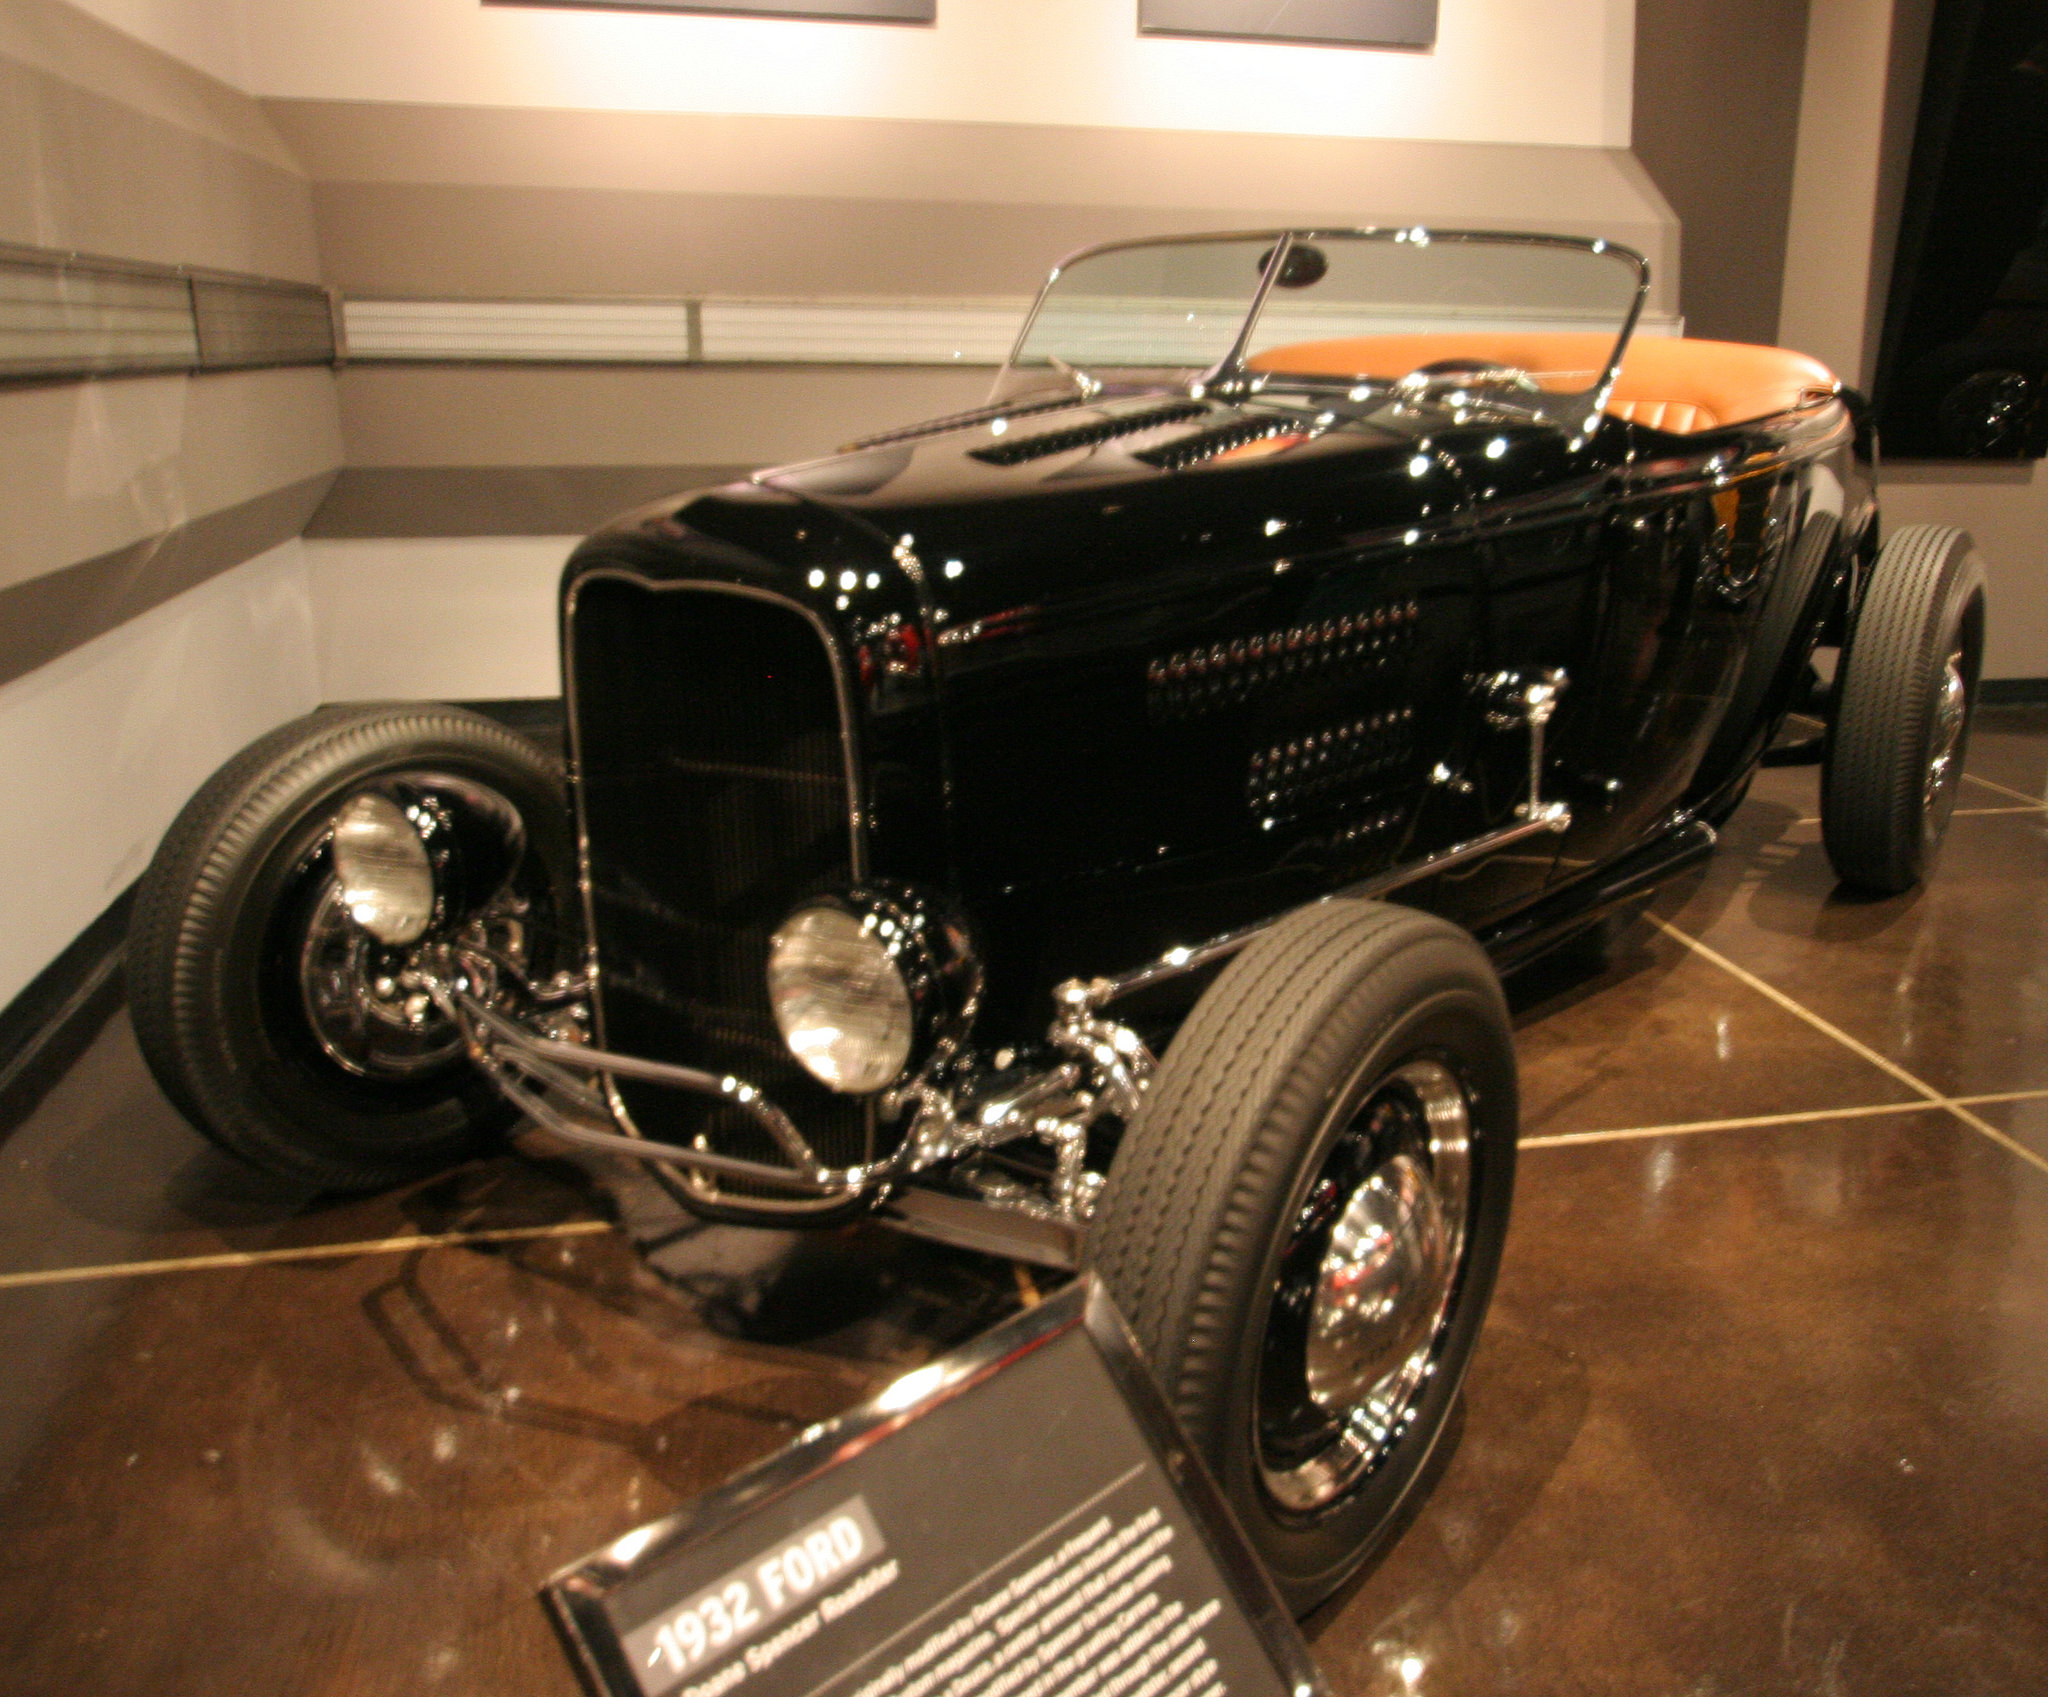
{"x": 1667, "y": 383}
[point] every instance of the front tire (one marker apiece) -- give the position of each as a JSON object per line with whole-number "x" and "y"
{"x": 1903, "y": 703}
{"x": 1303, "y": 1224}
{"x": 281, "y": 1030}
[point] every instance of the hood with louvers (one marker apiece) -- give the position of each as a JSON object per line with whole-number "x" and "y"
{"x": 1022, "y": 450}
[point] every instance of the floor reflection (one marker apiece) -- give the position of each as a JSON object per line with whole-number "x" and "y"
{"x": 1761, "y": 1408}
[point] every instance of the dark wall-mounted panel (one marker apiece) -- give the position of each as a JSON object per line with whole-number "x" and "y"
{"x": 251, "y": 324}
{"x": 1332, "y": 23}
{"x": 64, "y": 316}
{"x": 1963, "y": 368}
{"x": 830, "y": 11}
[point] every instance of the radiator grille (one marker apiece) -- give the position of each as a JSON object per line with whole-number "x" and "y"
{"x": 712, "y": 779}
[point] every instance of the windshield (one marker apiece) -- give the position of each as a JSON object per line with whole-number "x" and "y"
{"x": 1158, "y": 305}
{"x": 1541, "y": 313}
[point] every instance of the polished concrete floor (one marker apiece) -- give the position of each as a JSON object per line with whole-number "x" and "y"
{"x": 1762, "y": 1406}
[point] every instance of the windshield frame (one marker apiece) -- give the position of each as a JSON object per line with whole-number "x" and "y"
{"x": 1230, "y": 375}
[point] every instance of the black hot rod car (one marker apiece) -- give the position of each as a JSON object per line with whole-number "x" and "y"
{"x": 993, "y": 825}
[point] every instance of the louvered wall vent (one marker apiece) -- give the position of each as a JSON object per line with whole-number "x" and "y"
{"x": 63, "y": 315}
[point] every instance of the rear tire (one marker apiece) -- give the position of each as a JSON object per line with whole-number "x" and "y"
{"x": 1349, "y": 1080}
{"x": 1904, "y": 697}
{"x": 222, "y": 932}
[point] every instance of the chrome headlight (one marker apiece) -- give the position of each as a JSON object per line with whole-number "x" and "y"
{"x": 387, "y": 878}
{"x": 422, "y": 849}
{"x": 868, "y": 984}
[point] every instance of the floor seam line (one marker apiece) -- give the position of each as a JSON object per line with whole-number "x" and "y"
{"x": 1760, "y": 1122}
{"x": 1934, "y": 1097}
{"x": 2002, "y": 789}
{"x": 229, "y": 1259}
{"x": 1750, "y": 1122}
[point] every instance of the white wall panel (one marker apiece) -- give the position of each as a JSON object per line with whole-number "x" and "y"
{"x": 89, "y": 467}
{"x": 855, "y": 332}
{"x": 99, "y": 749}
{"x": 863, "y": 332}
{"x": 512, "y": 329}
{"x": 467, "y": 619}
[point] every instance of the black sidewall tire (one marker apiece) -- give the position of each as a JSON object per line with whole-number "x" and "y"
{"x": 1436, "y": 997}
{"x": 1309, "y": 1557}
{"x": 216, "y": 1015}
{"x": 1926, "y": 593}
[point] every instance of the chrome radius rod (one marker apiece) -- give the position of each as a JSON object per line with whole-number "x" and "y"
{"x": 516, "y": 1060}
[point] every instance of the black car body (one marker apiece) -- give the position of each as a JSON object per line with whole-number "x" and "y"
{"x": 1119, "y": 674}
{"x": 990, "y": 825}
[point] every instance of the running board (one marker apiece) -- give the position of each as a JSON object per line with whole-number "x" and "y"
{"x": 1556, "y": 916}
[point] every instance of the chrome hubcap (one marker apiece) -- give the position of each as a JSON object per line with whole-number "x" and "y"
{"x": 367, "y": 1015}
{"x": 1364, "y": 1289}
{"x": 1945, "y": 742}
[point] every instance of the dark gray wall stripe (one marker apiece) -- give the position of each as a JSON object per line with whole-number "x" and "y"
{"x": 420, "y": 501}
{"x": 83, "y": 170}
{"x": 48, "y": 616}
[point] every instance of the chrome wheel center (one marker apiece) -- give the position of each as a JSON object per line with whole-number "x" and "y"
{"x": 1381, "y": 1287}
{"x": 366, "y": 1015}
{"x": 1944, "y": 746}
{"x": 1364, "y": 1289}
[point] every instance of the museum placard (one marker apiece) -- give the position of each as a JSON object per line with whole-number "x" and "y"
{"x": 1020, "y": 1519}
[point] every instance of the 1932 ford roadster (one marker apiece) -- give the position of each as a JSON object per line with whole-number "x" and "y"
{"x": 990, "y": 825}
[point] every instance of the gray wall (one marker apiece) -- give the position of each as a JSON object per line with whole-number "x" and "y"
{"x": 1717, "y": 97}
{"x": 503, "y": 202}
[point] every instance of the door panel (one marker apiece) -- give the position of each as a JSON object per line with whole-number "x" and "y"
{"x": 1544, "y": 499}
{"x": 1687, "y": 567}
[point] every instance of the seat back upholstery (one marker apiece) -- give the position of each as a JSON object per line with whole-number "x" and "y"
{"x": 1666, "y": 383}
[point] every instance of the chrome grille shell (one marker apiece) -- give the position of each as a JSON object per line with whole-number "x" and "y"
{"x": 716, "y": 780}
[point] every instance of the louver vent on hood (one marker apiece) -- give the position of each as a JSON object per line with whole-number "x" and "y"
{"x": 959, "y": 421}
{"x": 1225, "y": 438}
{"x": 1051, "y": 442}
